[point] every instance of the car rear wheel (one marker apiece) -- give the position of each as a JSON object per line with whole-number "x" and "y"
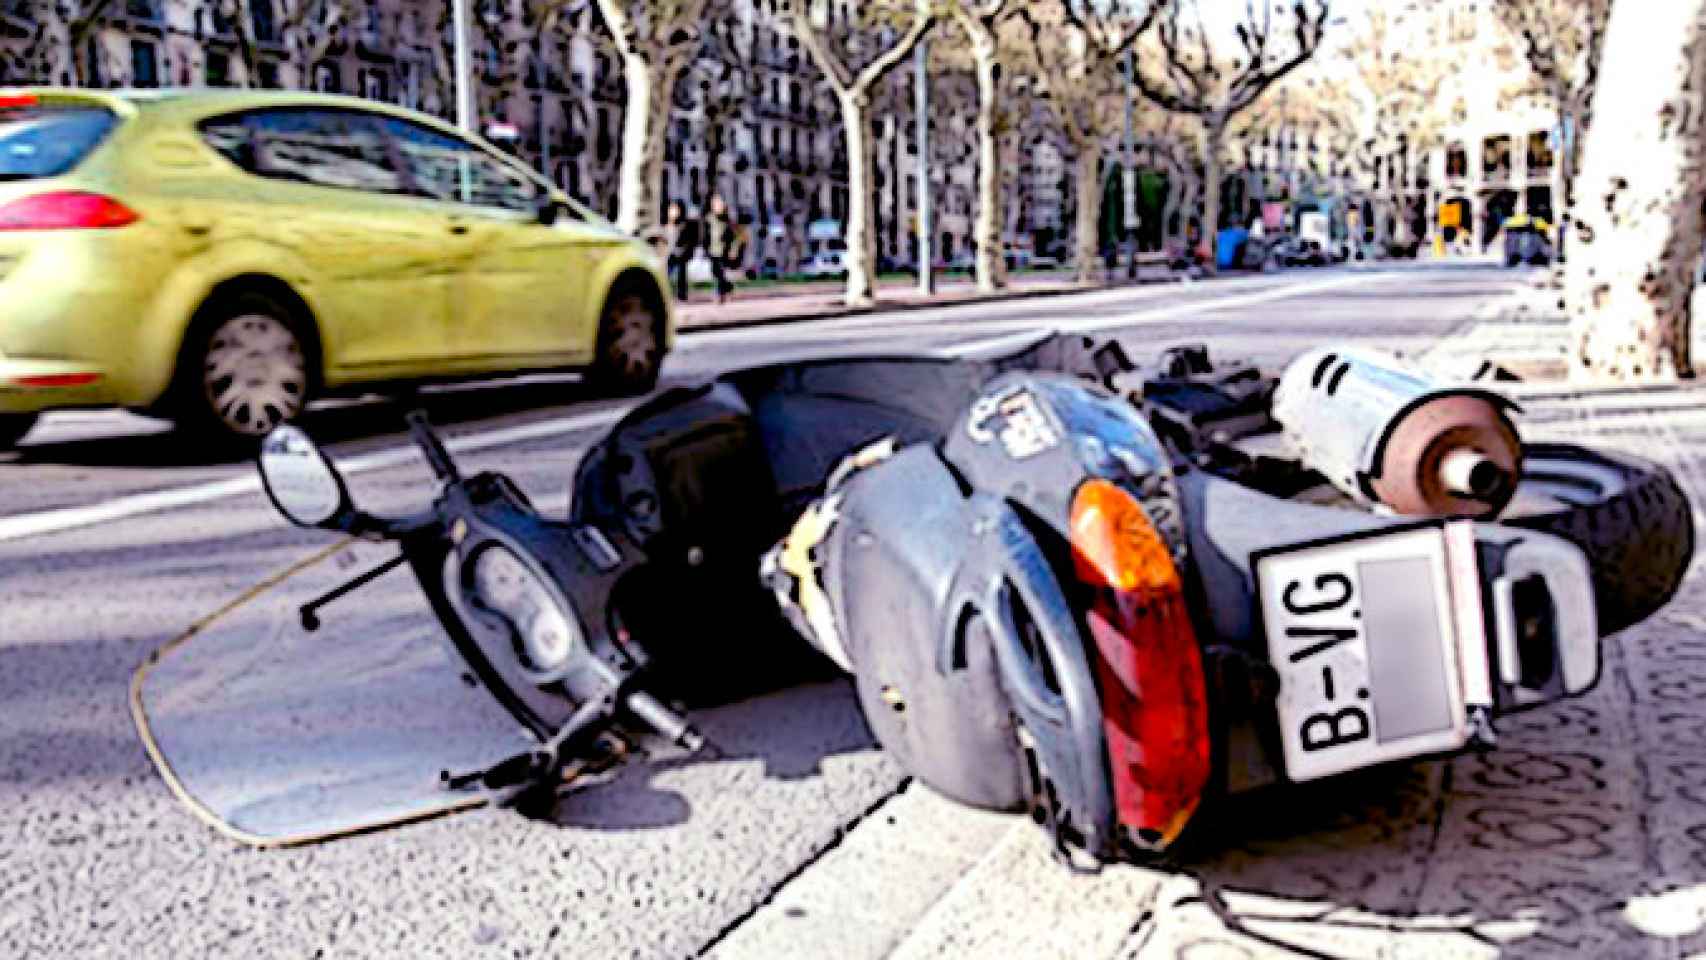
{"x": 246, "y": 371}
{"x": 13, "y": 427}
{"x": 630, "y": 344}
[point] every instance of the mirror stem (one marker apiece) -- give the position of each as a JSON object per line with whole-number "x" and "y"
{"x": 437, "y": 457}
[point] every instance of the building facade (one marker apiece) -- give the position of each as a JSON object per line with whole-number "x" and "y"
{"x": 1499, "y": 151}
{"x": 752, "y": 118}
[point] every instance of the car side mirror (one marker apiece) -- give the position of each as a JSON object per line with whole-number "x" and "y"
{"x": 302, "y": 484}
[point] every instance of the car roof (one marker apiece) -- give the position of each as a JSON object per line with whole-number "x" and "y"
{"x": 199, "y": 102}
{"x": 191, "y": 104}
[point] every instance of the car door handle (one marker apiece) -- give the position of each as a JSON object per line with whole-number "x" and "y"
{"x": 459, "y": 229}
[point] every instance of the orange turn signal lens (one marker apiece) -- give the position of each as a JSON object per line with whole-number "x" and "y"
{"x": 1115, "y": 543}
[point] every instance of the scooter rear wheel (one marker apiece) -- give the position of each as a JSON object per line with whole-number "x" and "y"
{"x": 1627, "y": 514}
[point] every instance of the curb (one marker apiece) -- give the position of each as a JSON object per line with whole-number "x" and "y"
{"x": 836, "y": 313}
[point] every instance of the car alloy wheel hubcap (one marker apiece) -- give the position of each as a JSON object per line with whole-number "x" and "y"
{"x": 255, "y": 376}
{"x": 633, "y": 339}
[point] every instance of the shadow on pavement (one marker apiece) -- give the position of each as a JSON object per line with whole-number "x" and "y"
{"x": 784, "y": 735}
{"x": 1583, "y": 834}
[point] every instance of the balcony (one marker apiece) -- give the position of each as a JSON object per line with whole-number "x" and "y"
{"x": 371, "y": 41}
{"x": 264, "y": 23}
{"x": 1496, "y": 160}
{"x": 1540, "y": 156}
{"x": 144, "y": 13}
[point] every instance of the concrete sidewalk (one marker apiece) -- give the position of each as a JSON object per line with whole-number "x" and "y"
{"x": 1582, "y": 835}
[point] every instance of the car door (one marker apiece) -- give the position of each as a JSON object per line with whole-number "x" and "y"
{"x": 377, "y": 265}
{"x": 516, "y": 300}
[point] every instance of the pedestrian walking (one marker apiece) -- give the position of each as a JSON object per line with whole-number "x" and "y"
{"x": 678, "y": 243}
{"x": 720, "y": 245}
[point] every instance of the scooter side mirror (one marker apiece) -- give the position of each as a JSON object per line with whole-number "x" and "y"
{"x": 301, "y": 482}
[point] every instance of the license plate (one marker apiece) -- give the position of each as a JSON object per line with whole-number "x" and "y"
{"x": 1380, "y": 646}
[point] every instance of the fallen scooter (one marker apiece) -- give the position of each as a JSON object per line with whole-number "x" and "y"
{"x": 1062, "y": 583}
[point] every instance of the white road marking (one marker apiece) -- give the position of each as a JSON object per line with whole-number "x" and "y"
{"x": 1090, "y": 324}
{"x": 122, "y": 508}
{"x": 906, "y": 322}
{"x": 901, "y": 321}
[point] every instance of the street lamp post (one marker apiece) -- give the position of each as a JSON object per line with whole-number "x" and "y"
{"x": 1128, "y": 171}
{"x": 921, "y": 81}
{"x": 464, "y": 67}
{"x": 544, "y": 129}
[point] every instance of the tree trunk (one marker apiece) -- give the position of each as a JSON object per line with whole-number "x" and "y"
{"x": 1214, "y": 136}
{"x": 645, "y": 121}
{"x": 987, "y": 233}
{"x": 1088, "y": 230}
{"x": 244, "y": 15}
{"x": 861, "y": 216}
{"x": 1193, "y": 203}
{"x": 713, "y": 168}
{"x": 1643, "y": 177}
{"x": 1171, "y": 232}
{"x": 1567, "y": 166}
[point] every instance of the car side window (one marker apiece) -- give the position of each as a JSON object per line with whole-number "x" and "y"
{"x": 447, "y": 168}
{"x": 328, "y": 148}
{"x": 496, "y": 184}
{"x": 437, "y": 164}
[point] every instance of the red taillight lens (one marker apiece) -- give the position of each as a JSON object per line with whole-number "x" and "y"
{"x": 65, "y": 210}
{"x": 1149, "y": 668}
{"x": 57, "y": 380}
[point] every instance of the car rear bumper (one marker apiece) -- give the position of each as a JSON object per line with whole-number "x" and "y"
{"x": 72, "y": 312}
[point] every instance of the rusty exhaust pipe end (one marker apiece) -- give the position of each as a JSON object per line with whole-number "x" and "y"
{"x": 1456, "y": 455}
{"x": 1383, "y": 431}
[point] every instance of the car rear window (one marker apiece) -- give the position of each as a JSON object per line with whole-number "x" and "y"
{"x": 38, "y": 142}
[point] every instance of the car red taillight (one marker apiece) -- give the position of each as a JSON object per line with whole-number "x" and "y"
{"x": 66, "y": 210}
{"x": 1149, "y": 668}
{"x": 47, "y": 380}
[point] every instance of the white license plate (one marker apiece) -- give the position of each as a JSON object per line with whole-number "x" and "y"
{"x": 1380, "y": 645}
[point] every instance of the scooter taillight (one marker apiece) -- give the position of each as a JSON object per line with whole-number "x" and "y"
{"x": 1149, "y": 669}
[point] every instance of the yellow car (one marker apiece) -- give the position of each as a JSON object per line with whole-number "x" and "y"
{"x": 222, "y": 257}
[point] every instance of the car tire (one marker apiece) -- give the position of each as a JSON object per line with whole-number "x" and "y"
{"x": 14, "y": 427}
{"x": 245, "y": 369}
{"x": 629, "y": 353}
{"x": 1629, "y": 516}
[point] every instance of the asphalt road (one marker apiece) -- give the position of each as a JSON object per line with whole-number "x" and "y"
{"x": 115, "y": 534}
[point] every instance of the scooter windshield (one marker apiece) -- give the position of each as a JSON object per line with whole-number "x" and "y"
{"x": 277, "y": 734}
